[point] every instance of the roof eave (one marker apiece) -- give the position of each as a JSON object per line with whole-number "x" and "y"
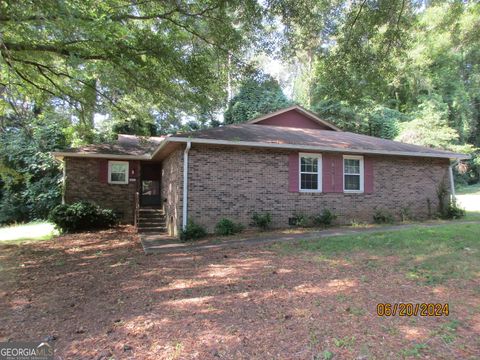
{"x": 451, "y": 156}
{"x": 60, "y": 155}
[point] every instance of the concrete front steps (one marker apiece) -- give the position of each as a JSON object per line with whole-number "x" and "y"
{"x": 152, "y": 220}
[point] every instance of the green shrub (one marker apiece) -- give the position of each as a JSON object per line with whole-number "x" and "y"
{"x": 325, "y": 218}
{"x": 193, "y": 231}
{"x": 452, "y": 211}
{"x": 383, "y": 217}
{"x": 262, "y": 221}
{"x": 447, "y": 209}
{"x": 81, "y": 216}
{"x": 405, "y": 214}
{"x": 299, "y": 220}
{"x": 227, "y": 227}
{"x": 443, "y": 201}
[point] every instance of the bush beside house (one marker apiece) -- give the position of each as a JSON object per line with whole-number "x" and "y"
{"x": 81, "y": 216}
{"x": 227, "y": 227}
{"x": 192, "y": 231}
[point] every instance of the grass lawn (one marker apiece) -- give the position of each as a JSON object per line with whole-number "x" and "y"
{"x": 34, "y": 231}
{"x": 431, "y": 255}
{"x": 469, "y": 190}
{"x": 100, "y": 297}
{"x": 471, "y": 216}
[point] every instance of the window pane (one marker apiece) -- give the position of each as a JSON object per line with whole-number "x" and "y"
{"x": 352, "y": 166}
{"x": 309, "y": 181}
{"x": 309, "y": 164}
{"x": 352, "y": 182}
{"x": 150, "y": 187}
{"x": 118, "y": 177}
{"x": 119, "y": 168}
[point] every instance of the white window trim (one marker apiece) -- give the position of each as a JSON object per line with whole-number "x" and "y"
{"x": 110, "y": 163}
{"x": 362, "y": 174}
{"x": 319, "y": 167}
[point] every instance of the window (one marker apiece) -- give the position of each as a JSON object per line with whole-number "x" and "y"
{"x": 353, "y": 174}
{"x": 310, "y": 172}
{"x": 118, "y": 172}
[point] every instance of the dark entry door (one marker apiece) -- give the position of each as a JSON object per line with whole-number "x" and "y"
{"x": 150, "y": 185}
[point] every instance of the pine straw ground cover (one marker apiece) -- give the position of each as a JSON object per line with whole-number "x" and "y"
{"x": 100, "y": 297}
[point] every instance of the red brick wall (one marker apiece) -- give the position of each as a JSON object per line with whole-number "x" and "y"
{"x": 234, "y": 182}
{"x": 84, "y": 182}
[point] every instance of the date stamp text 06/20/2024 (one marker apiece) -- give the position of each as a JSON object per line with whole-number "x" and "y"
{"x": 411, "y": 309}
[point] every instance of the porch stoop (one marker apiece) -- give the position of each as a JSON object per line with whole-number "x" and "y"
{"x": 152, "y": 220}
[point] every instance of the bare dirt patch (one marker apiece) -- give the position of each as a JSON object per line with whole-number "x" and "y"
{"x": 100, "y": 297}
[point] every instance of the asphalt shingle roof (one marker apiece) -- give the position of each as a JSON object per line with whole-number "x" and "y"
{"x": 251, "y": 134}
{"x": 340, "y": 140}
{"x": 125, "y": 145}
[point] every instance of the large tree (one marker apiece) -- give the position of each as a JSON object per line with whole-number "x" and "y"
{"x": 259, "y": 94}
{"x": 137, "y": 61}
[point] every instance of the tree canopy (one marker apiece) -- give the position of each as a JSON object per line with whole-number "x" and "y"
{"x": 148, "y": 61}
{"x": 259, "y": 94}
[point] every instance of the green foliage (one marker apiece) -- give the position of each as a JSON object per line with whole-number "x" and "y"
{"x": 411, "y": 76}
{"x": 347, "y": 341}
{"x": 383, "y": 217}
{"x": 140, "y": 63}
{"x": 300, "y": 220}
{"x": 429, "y": 126}
{"x": 383, "y": 122}
{"x": 453, "y": 211}
{"x": 405, "y": 214}
{"x": 81, "y": 216}
{"x": 468, "y": 171}
{"x": 192, "y": 231}
{"x": 30, "y": 179}
{"x": 324, "y": 219}
{"x": 447, "y": 209}
{"x": 415, "y": 350}
{"x": 367, "y": 117}
{"x": 262, "y": 221}
{"x": 259, "y": 94}
{"x": 227, "y": 227}
{"x": 327, "y": 355}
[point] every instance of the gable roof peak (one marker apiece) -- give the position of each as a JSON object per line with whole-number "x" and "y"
{"x": 307, "y": 113}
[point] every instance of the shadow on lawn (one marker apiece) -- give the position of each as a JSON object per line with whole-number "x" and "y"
{"x": 99, "y": 295}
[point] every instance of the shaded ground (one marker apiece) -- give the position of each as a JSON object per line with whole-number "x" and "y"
{"x": 101, "y": 297}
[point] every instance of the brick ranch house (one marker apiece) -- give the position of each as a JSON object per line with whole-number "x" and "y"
{"x": 286, "y": 162}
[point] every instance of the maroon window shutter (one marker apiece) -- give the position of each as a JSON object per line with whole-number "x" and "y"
{"x": 328, "y": 173}
{"x": 368, "y": 180}
{"x": 338, "y": 173}
{"x": 103, "y": 171}
{"x": 293, "y": 172}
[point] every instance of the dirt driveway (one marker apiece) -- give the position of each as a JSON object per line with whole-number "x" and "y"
{"x": 100, "y": 297}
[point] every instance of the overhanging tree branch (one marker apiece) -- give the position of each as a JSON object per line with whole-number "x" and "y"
{"x": 52, "y": 48}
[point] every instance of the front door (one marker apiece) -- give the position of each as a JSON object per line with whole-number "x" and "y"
{"x": 150, "y": 184}
{"x": 150, "y": 193}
